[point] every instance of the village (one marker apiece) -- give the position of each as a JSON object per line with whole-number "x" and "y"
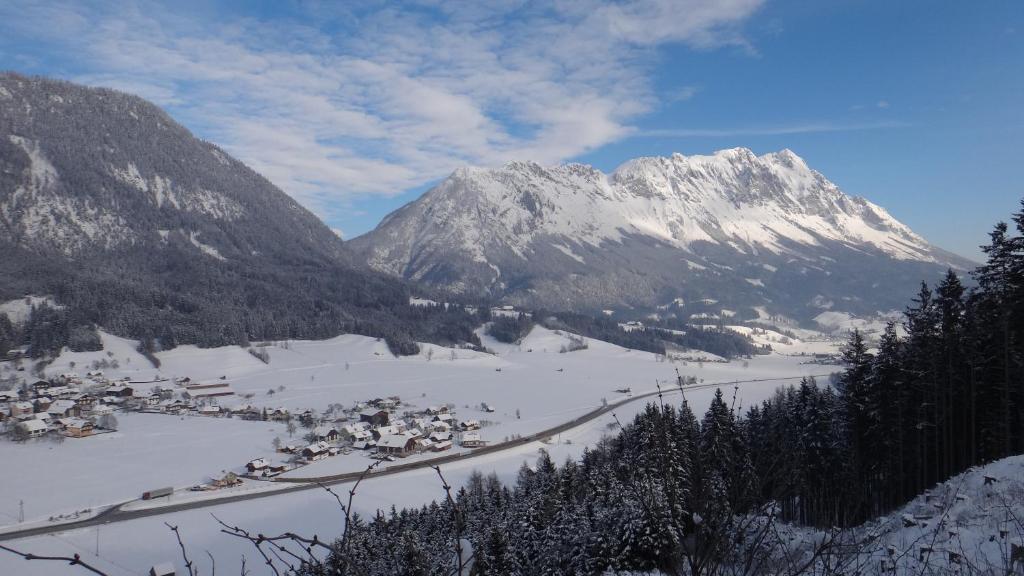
{"x": 73, "y": 406}
{"x": 375, "y": 429}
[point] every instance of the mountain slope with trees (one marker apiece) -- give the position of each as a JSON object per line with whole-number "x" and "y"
{"x": 680, "y": 495}
{"x": 130, "y": 223}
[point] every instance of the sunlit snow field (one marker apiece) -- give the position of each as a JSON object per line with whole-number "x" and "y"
{"x": 149, "y": 451}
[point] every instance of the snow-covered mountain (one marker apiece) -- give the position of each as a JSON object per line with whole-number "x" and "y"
{"x": 745, "y": 230}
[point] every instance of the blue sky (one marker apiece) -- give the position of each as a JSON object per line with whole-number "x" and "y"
{"x": 356, "y": 108}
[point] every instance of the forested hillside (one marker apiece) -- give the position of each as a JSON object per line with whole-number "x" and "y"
{"x": 130, "y": 223}
{"x": 683, "y": 496}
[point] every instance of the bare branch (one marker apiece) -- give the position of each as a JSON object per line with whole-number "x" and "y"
{"x": 75, "y": 560}
{"x": 184, "y": 553}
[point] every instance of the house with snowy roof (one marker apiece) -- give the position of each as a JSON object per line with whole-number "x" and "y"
{"x": 472, "y": 440}
{"x": 316, "y": 451}
{"x": 374, "y": 417}
{"x": 257, "y": 465}
{"x": 327, "y": 433}
{"x": 33, "y": 428}
{"x": 64, "y": 409}
{"x": 78, "y": 428}
{"x": 396, "y": 444}
{"x": 21, "y": 409}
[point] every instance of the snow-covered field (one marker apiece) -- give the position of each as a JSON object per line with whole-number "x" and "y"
{"x": 148, "y": 451}
{"x": 545, "y": 386}
{"x": 131, "y": 547}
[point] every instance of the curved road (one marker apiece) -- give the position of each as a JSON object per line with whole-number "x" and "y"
{"x": 115, "y": 513}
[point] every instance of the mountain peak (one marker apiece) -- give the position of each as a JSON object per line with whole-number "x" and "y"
{"x": 514, "y": 230}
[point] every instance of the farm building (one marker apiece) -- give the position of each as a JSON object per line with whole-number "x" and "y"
{"x": 396, "y": 444}
{"x": 19, "y": 409}
{"x": 33, "y": 428}
{"x": 316, "y": 451}
{"x": 257, "y": 465}
{"x": 78, "y": 428}
{"x": 472, "y": 440}
{"x": 203, "y": 391}
{"x": 374, "y": 417}
{"x": 327, "y": 434}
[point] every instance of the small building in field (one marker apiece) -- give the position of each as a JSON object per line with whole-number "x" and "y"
{"x": 205, "y": 391}
{"x": 173, "y": 406}
{"x": 209, "y": 410}
{"x": 257, "y": 465}
{"x": 229, "y": 479}
{"x": 78, "y": 428}
{"x": 64, "y": 409}
{"x": 446, "y": 417}
{"x": 440, "y": 436}
{"x": 316, "y": 451}
{"x": 470, "y": 425}
{"x": 275, "y": 469}
{"x": 348, "y": 431}
{"x": 374, "y": 417}
{"x": 396, "y": 444}
{"x": 326, "y": 434}
{"x": 435, "y": 410}
{"x": 389, "y": 403}
{"x": 21, "y": 409}
{"x": 472, "y": 440}
{"x": 382, "y": 431}
{"x": 101, "y": 410}
{"x": 42, "y": 403}
{"x": 279, "y": 415}
{"x": 62, "y": 392}
{"x": 86, "y": 401}
{"x": 361, "y": 436}
{"x": 33, "y": 428}
{"x": 120, "y": 390}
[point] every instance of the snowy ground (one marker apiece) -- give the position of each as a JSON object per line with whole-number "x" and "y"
{"x": 131, "y": 547}
{"x": 961, "y": 526}
{"x": 150, "y": 451}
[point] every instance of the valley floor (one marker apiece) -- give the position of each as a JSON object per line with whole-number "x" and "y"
{"x": 149, "y": 451}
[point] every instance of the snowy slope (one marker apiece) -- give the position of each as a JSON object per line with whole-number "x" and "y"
{"x": 630, "y": 237}
{"x": 965, "y": 525}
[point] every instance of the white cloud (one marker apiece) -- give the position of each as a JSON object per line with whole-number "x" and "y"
{"x": 342, "y": 101}
{"x": 805, "y": 128}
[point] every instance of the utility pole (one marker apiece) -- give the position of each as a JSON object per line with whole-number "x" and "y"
{"x": 21, "y": 511}
{"x": 97, "y": 541}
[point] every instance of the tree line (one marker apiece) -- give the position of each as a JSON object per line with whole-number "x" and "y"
{"x": 669, "y": 492}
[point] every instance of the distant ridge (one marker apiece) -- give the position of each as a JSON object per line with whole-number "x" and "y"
{"x": 747, "y": 231}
